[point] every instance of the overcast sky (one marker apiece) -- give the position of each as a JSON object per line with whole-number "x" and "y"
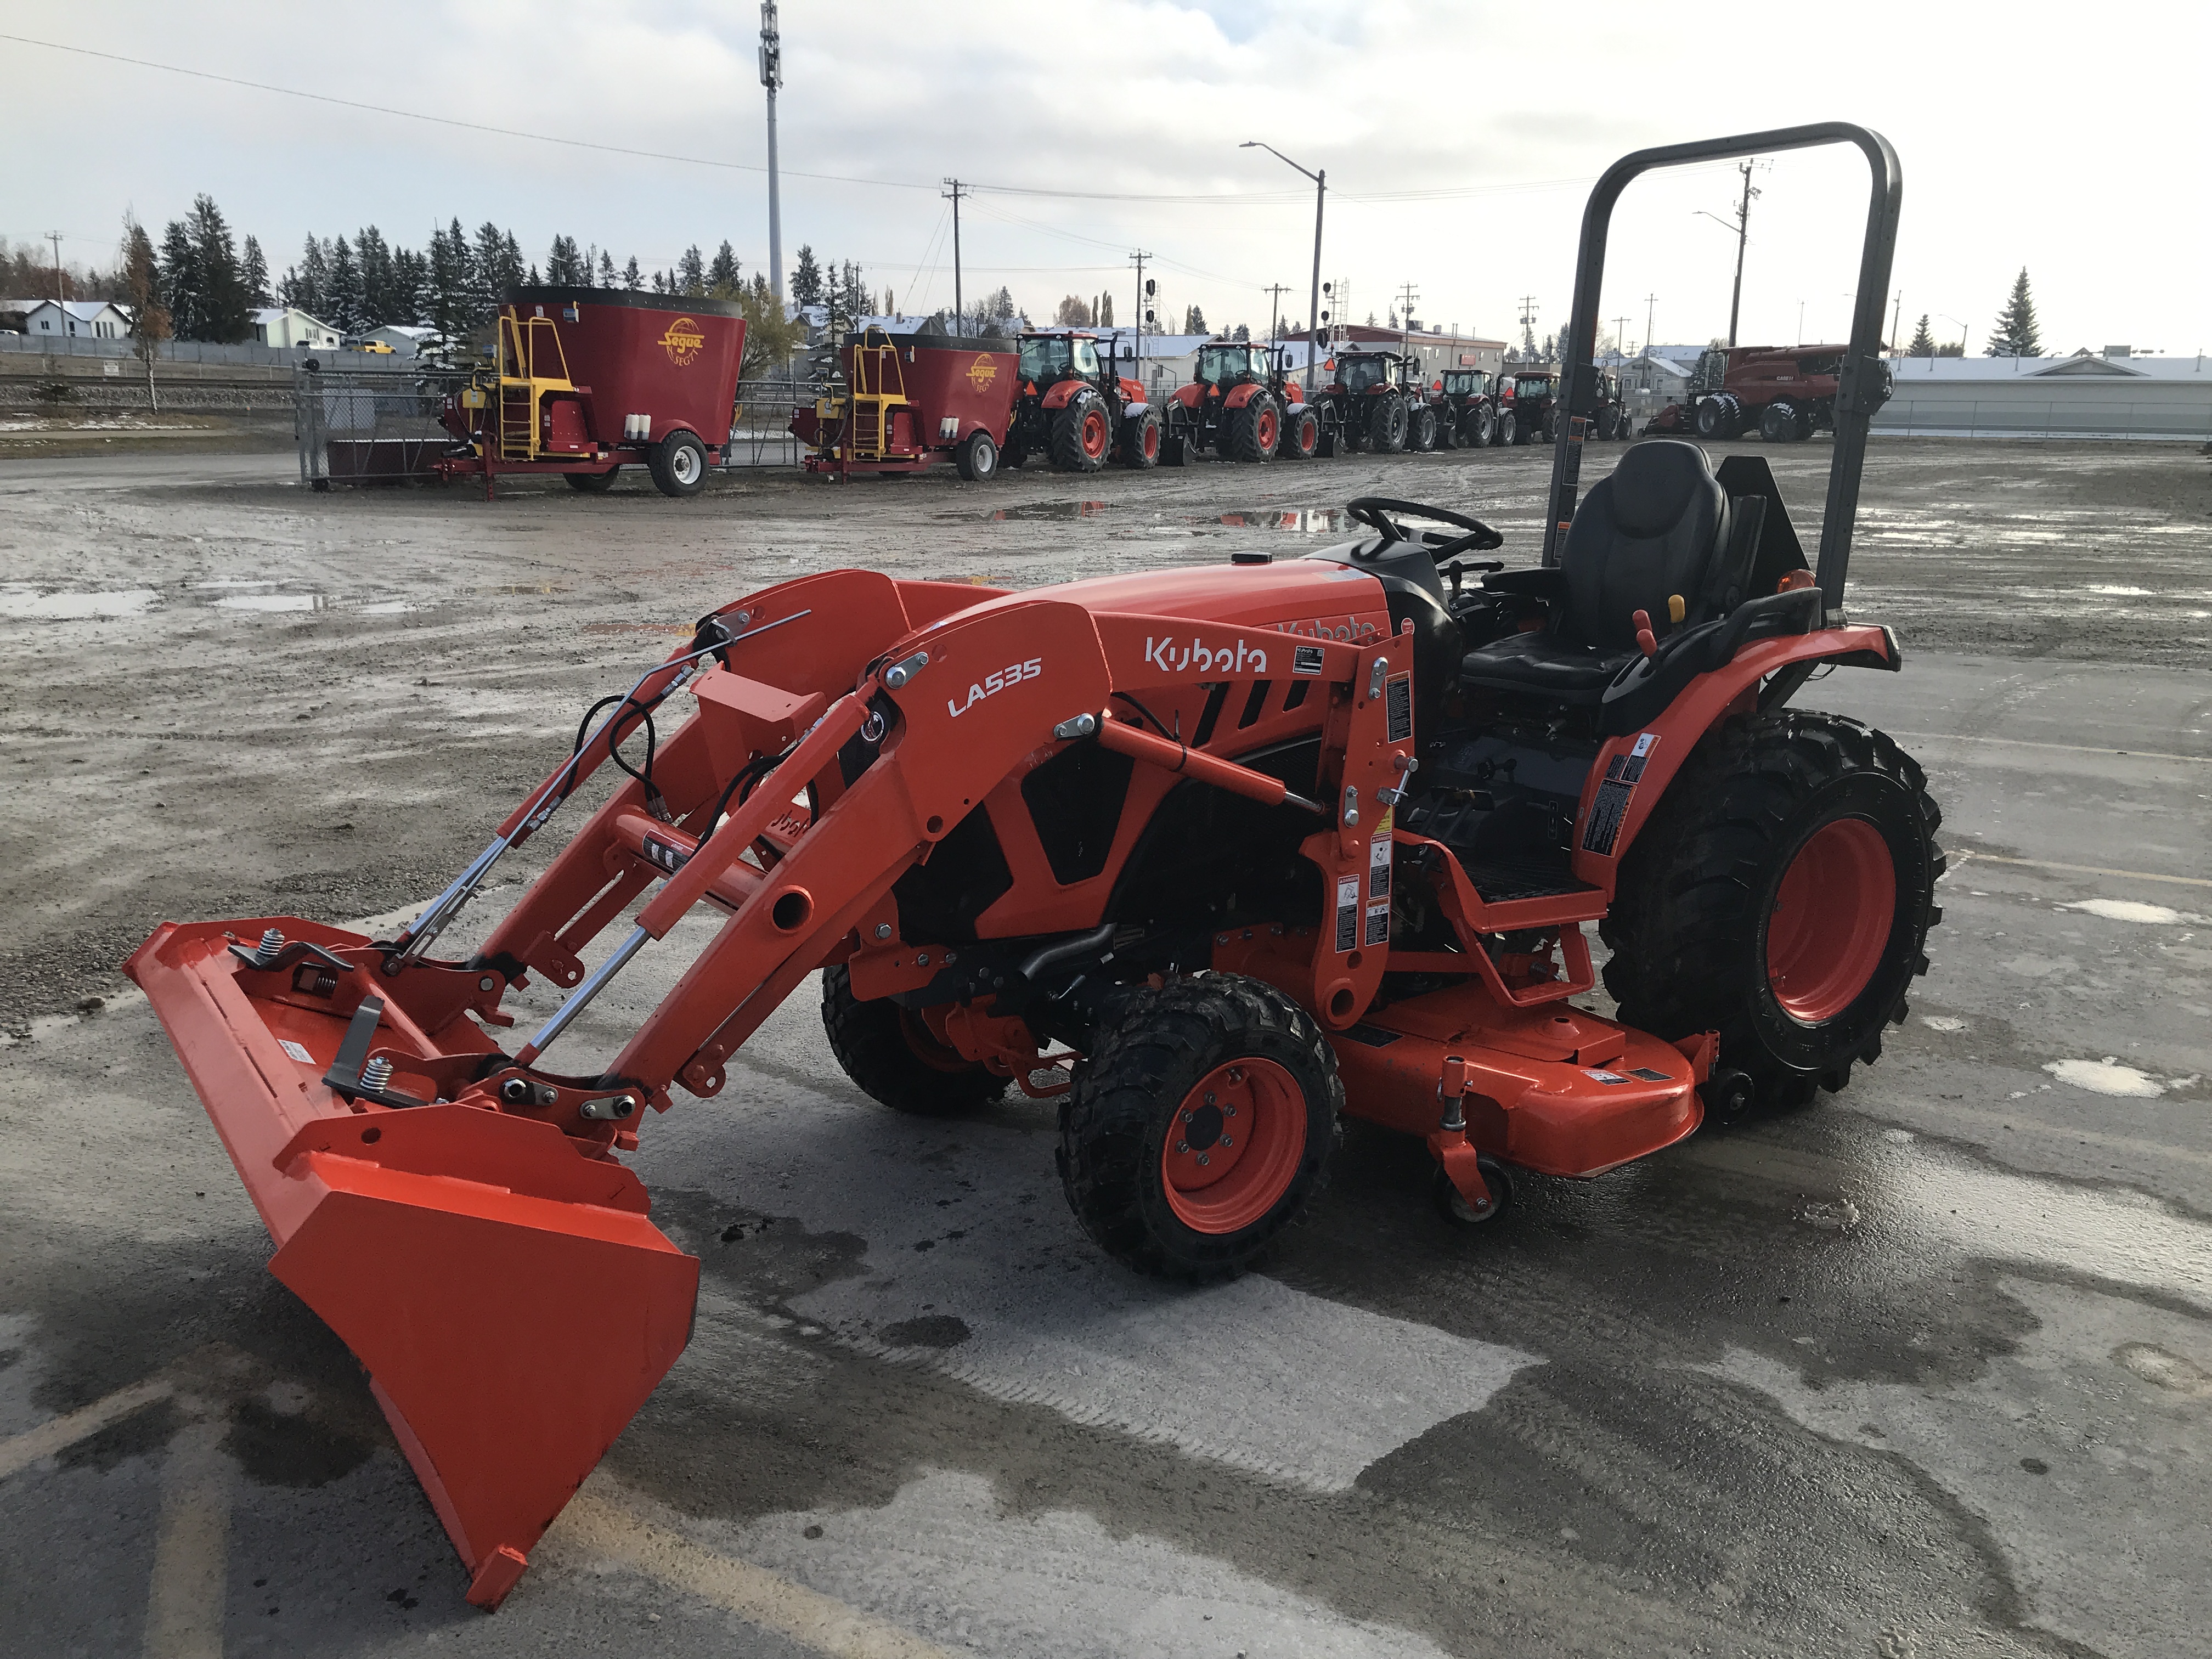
{"x": 2069, "y": 139}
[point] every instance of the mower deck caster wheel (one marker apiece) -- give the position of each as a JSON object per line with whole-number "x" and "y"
{"x": 1456, "y": 1210}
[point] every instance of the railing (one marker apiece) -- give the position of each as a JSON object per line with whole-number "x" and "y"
{"x": 370, "y": 428}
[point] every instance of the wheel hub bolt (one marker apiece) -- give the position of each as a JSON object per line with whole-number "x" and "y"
{"x": 1236, "y": 1074}
{"x": 1202, "y": 1159}
{"x": 1209, "y": 1098}
{"x": 1227, "y": 1141}
{"x": 1182, "y": 1145}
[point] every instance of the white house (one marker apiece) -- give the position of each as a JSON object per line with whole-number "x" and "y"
{"x": 88, "y": 320}
{"x": 287, "y": 325}
{"x": 2114, "y": 395}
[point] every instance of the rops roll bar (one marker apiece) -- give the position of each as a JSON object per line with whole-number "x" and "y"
{"x": 1859, "y": 392}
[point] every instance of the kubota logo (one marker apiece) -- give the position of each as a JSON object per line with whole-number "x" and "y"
{"x": 682, "y": 342}
{"x": 982, "y": 371}
{"x": 992, "y": 684}
{"x": 1175, "y": 659}
{"x": 1350, "y": 629}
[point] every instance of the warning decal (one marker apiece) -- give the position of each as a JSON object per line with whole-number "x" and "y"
{"x": 1378, "y": 868}
{"x": 1398, "y": 709}
{"x": 1621, "y": 773}
{"x": 1347, "y": 912}
{"x": 1378, "y": 924}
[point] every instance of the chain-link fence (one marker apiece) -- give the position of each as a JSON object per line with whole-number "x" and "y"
{"x": 372, "y": 427}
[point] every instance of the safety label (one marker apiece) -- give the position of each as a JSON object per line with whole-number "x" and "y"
{"x": 297, "y": 1051}
{"x": 1603, "y": 1077}
{"x": 1398, "y": 709}
{"x": 665, "y": 856}
{"x": 1378, "y": 868}
{"x": 1378, "y": 924}
{"x": 1347, "y": 912}
{"x": 1308, "y": 659}
{"x": 1647, "y": 1074}
{"x": 1611, "y": 807}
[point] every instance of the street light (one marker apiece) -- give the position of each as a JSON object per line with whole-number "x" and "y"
{"x": 1321, "y": 194}
{"x": 1963, "y": 331}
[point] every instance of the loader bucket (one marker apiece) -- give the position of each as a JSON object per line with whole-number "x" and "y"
{"x": 500, "y": 1283}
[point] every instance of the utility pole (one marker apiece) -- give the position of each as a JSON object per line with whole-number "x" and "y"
{"x": 1620, "y": 341}
{"x": 1137, "y": 356}
{"x": 1408, "y": 293}
{"x": 771, "y": 75}
{"x": 1894, "y": 317}
{"x": 1743, "y": 239}
{"x": 959, "y": 309}
{"x": 1529, "y": 324}
{"x": 1275, "y": 292}
{"x": 55, "y": 237}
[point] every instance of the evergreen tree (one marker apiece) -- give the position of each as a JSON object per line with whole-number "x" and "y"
{"x": 806, "y": 278}
{"x": 631, "y": 277}
{"x": 607, "y": 269}
{"x": 563, "y": 264}
{"x": 1193, "y": 320}
{"x": 253, "y": 272}
{"x": 180, "y": 281}
{"x": 411, "y": 285}
{"x": 449, "y": 300}
{"x": 372, "y": 257}
{"x": 1923, "y": 343}
{"x": 341, "y": 296}
{"x": 722, "y": 274}
{"x": 306, "y": 285}
{"x": 536, "y": 281}
{"x": 1240, "y": 332}
{"x": 223, "y": 306}
{"x": 2016, "y": 334}
{"x": 690, "y": 275}
{"x": 1106, "y": 311}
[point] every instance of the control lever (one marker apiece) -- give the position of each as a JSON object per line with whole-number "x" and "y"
{"x": 1645, "y": 640}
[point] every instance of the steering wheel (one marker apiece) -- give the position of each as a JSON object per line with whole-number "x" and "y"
{"x": 1370, "y": 510}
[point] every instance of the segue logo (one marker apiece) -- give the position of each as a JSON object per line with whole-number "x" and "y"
{"x": 982, "y": 371}
{"x": 991, "y": 685}
{"x": 683, "y": 341}
{"x": 1172, "y": 659}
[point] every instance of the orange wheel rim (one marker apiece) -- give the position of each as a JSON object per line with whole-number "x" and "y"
{"x": 1094, "y": 434}
{"x": 1234, "y": 1145}
{"x": 1831, "y": 921}
{"x": 1152, "y": 441}
{"x": 1266, "y": 432}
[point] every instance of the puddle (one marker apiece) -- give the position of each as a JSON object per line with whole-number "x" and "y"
{"x": 271, "y": 602}
{"x": 1049, "y": 510}
{"x": 236, "y": 581}
{"x": 518, "y": 587}
{"x": 27, "y": 605}
{"x": 2106, "y": 1077}
{"x": 386, "y": 608}
{"x": 1298, "y": 520}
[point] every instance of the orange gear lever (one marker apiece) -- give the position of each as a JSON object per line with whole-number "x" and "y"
{"x": 1645, "y": 640}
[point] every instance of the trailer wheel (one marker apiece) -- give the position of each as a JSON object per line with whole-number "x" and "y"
{"x": 592, "y": 483}
{"x": 1255, "y": 430}
{"x": 889, "y": 1052}
{"x": 1139, "y": 449}
{"x": 1387, "y": 423}
{"x": 1301, "y": 434}
{"x": 977, "y": 457}
{"x": 1200, "y": 1126}
{"x": 678, "y": 463}
{"x": 1081, "y": 433}
{"x": 1781, "y": 896}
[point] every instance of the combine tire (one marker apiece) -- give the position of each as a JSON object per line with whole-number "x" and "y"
{"x": 889, "y": 1051}
{"x": 1256, "y": 429}
{"x": 592, "y": 484}
{"x": 1781, "y": 896}
{"x": 1301, "y": 434}
{"x": 1139, "y": 448}
{"x": 1421, "y": 429}
{"x": 1081, "y": 433}
{"x": 1777, "y": 423}
{"x": 1387, "y": 424}
{"x": 977, "y": 457}
{"x": 1200, "y": 1126}
{"x": 1715, "y": 419}
{"x": 678, "y": 463}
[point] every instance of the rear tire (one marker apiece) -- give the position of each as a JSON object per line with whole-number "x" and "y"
{"x": 977, "y": 457}
{"x": 889, "y": 1052}
{"x": 1777, "y": 423}
{"x": 1781, "y": 895}
{"x": 678, "y": 464}
{"x": 1139, "y": 449}
{"x": 1081, "y": 433}
{"x": 1256, "y": 429}
{"x": 1712, "y": 419}
{"x": 1218, "y": 1067}
{"x": 1387, "y": 424}
{"x": 592, "y": 484}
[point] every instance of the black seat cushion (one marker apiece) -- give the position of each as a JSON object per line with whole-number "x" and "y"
{"x": 1656, "y": 527}
{"x": 1543, "y": 664}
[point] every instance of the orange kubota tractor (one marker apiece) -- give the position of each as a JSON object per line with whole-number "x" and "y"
{"x": 1209, "y": 856}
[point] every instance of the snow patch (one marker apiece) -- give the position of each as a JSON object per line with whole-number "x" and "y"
{"x": 1942, "y": 1023}
{"x": 2129, "y": 910}
{"x": 2106, "y": 1077}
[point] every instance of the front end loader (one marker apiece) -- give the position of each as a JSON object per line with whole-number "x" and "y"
{"x": 1209, "y": 857}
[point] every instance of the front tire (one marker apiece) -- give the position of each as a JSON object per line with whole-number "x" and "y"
{"x": 1781, "y": 896}
{"x": 1200, "y": 1126}
{"x": 1509, "y": 430}
{"x": 1081, "y": 433}
{"x": 1301, "y": 434}
{"x": 1139, "y": 448}
{"x": 678, "y": 464}
{"x": 890, "y": 1052}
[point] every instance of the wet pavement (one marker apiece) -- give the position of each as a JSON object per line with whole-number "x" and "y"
{"x": 1925, "y": 1369}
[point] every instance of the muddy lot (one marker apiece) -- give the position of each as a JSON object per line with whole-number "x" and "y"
{"x": 1924, "y": 1369}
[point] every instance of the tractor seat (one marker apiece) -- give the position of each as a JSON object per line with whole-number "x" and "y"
{"x": 1656, "y": 527}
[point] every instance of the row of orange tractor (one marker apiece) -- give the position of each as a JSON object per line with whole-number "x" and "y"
{"x": 911, "y": 401}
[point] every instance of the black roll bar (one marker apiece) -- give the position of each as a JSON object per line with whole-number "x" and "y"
{"x": 1859, "y": 392}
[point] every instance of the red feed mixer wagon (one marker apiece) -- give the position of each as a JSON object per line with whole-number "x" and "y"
{"x": 910, "y": 401}
{"x": 587, "y": 380}
{"x": 1207, "y": 856}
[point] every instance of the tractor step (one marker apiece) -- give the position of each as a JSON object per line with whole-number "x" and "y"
{"x": 1501, "y": 880}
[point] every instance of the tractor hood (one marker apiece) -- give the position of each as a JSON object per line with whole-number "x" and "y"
{"x": 1314, "y": 597}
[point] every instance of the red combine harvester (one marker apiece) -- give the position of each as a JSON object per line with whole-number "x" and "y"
{"x": 575, "y": 367}
{"x": 910, "y": 401}
{"x": 1208, "y": 856}
{"x": 1784, "y": 394}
